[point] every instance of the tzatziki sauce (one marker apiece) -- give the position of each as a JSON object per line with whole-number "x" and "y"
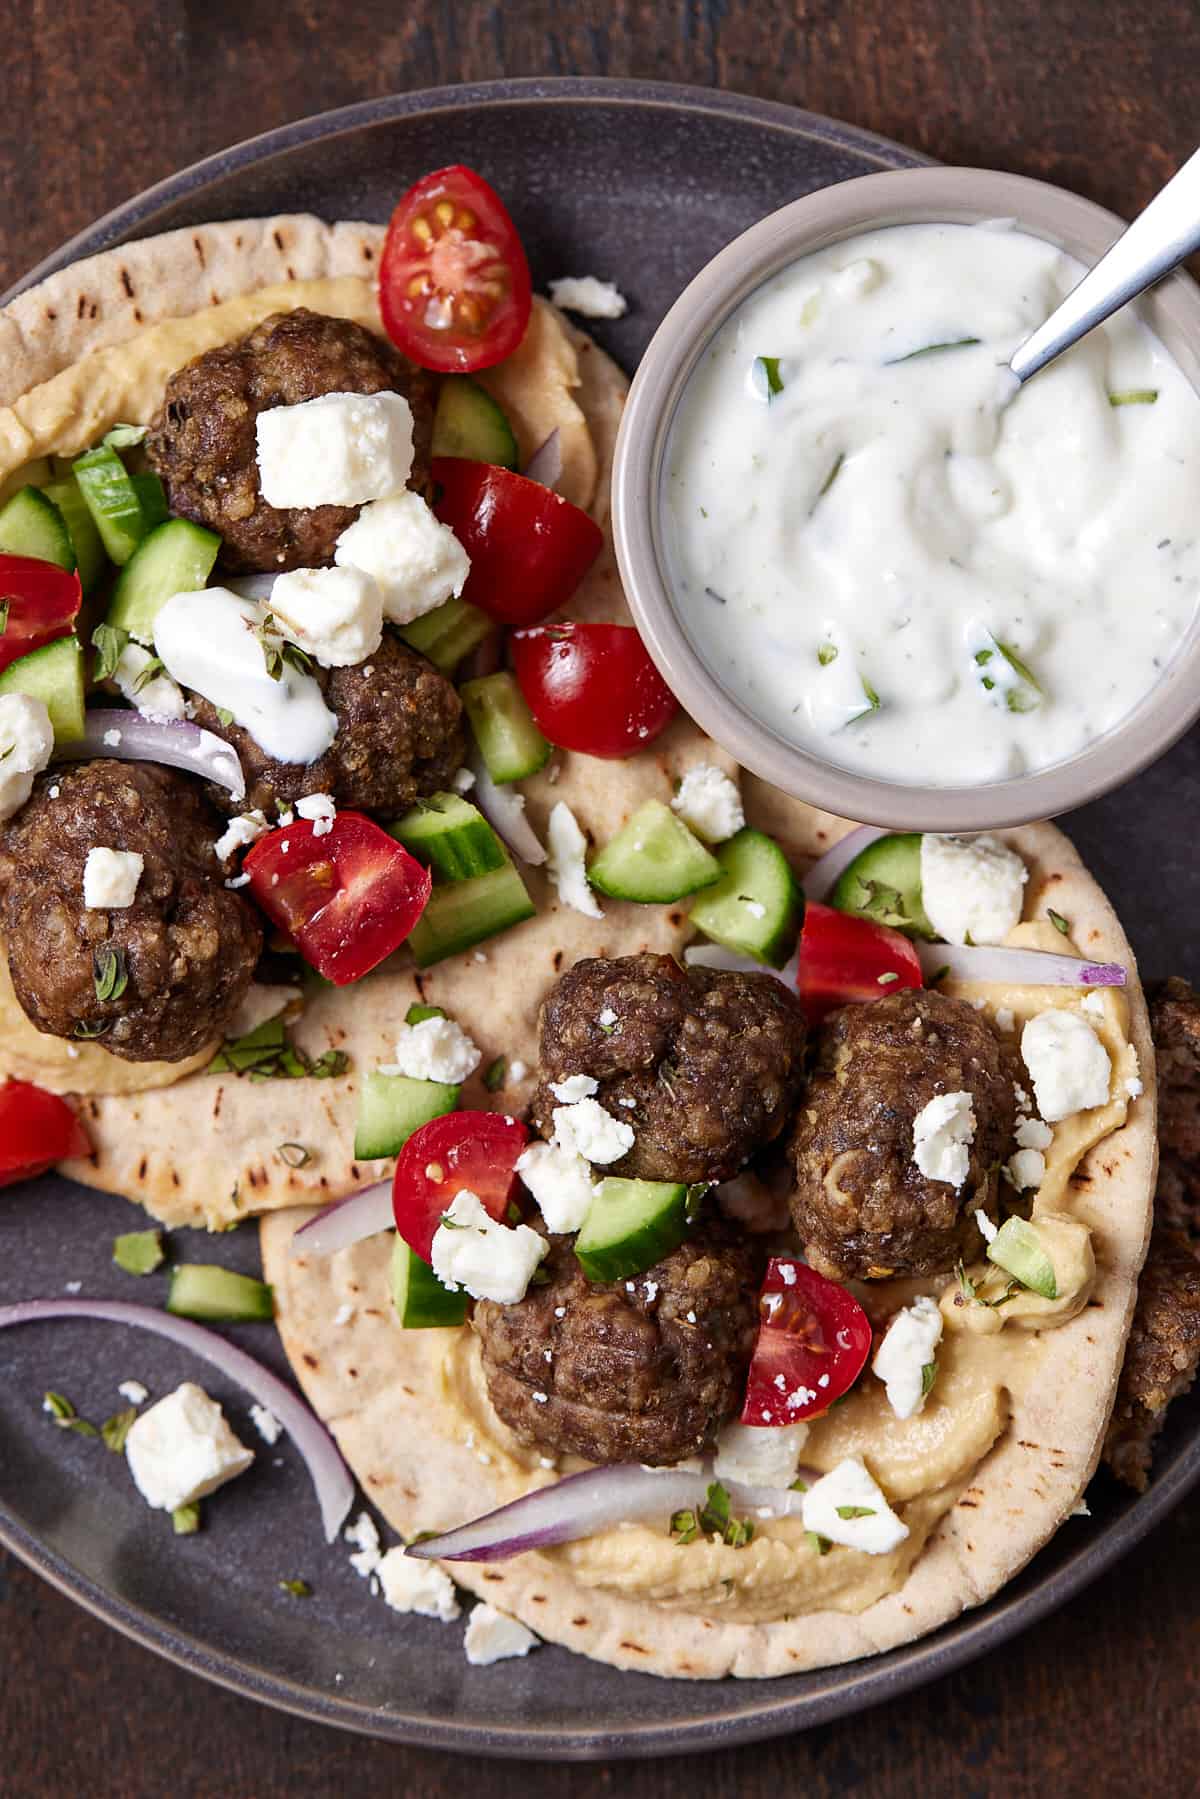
{"x": 897, "y": 559}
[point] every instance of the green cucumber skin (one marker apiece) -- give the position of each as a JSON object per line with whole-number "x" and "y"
{"x": 54, "y": 675}
{"x": 176, "y": 557}
{"x": 90, "y": 557}
{"x": 421, "y": 1301}
{"x": 448, "y": 633}
{"x": 754, "y": 868}
{"x": 1017, "y": 1249}
{"x": 654, "y": 859}
{"x": 465, "y": 913}
{"x": 893, "y": 861}
{"x": 509, "y": 741}
{"x": 470, "y": 424}
{"x": 32, "y": 525}
{"x": 630, "y": 1226}
{"x": 451, "y": 836}
{"x": 391, "y": 1107}
{"x": 113, "y": 501}
{"x": 218, "y": 1296}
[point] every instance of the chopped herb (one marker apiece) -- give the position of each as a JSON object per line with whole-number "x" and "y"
{"x": 855, "y": 1511}
{"x": 928, "y": 1376}
{"x": 294, "y": 1154}
{"x": 966, "y": 1284}
{"x": 827, "y": 653}
{"x": 108, "y": 641}
{"x": 983, "y": 657}
{"x": 821, "y": 1544}
{"x": 885, "y": 980}
{"x": 1058, "y": 921}
{"x": 225, "y": 715}
{"x": 770, "y": 369}
{"x": 493, "y": 1080}
{"x": 1134, "y": 396}
{"x": 66, "y": 1417}
{"x": 299, "y": 1589}
{"x": 954, "y": 343}
{"x": 4, "y": 606}
{"x": 539, "y": 1278}
{"x": 326, "y": 1067}
{"x": 265, "y": 1054}
{"x": 114, "y": 1430}
{"x": 85, "y": 1030}
{"x": 110, "y": 973}
{"x": 513, "y": 1212}
{"x": 124, "y": 437}
{"x": 941, "y": 974}
{"x": 713, "y": 1519}
{"x": 278, "y": 653}
{"x": 186, "y": 1520}
{"x": 829, "y": 480}
{"x": 138, "y": 1252}
{"x": 694, "y": 1199}
{"x": 452, "y": 1224}
{"x": 798, "y": 1486}
{"x": 718, "y": 597}
{"x": 155, "y": 667}
{"x": 873, "y": 700}
{"x": 418, "y": 1014}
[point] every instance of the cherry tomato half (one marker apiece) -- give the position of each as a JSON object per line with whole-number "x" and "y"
{"x": 454, "y": 286}
{"x": 844, "y": 959}
{"x": 529, "y": 547}
{"x": 592, "y": 687}
{"x": 38, "y": 602}
{"x": 473, "y": 1150}
{"x": 37, "y": 1129}
{"x": 348, "y": 898}
{"x": 813, "y": 1342}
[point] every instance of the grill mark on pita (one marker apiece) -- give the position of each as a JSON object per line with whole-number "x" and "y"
{"x": 220, "y": 1094}
{"x": 353, "y": 1373}
{"x": 51, "y": 315}
{"x": 127, "y": 283}
{"x": 1024, "y": 1443}
{"x": 278, "y": 236}
{"x": 310, "y": 1361}
{"x": 368, "y": 253}
{"x": 175, "y": 1180}
{"x": 372, "y": 1312}
{"x": 558, "y": 960}
{"x": 537, "y": 1599}
{"x": 419, "y": 984}
{"x": 198, "y": 246}
{"x": 407, "y": 1391}
{"x": 291, "y": 273}
{"x": 580, "y": 1623}
{"x": 634, "y": 1648}
{"x": 257, "y": 1177}
{"x": 138, "y": 316}
{"x": 141, "y": 1173}
{"x": 971, "y": 1504}
{"x": 490, "y": 1574}
{"x": 354, "y": 1171}
{"x": 81, "y": 309}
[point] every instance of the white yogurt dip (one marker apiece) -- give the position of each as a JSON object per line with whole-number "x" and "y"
{"x": 897, "y": 560}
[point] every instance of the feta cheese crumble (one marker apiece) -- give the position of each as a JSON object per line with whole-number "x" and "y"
{"x": 416, "y": 562}
{"x": 1093, "y": 1003}
{"x": 1027, "y": 1168}
{"x": 266, "y": 1423}
{"x": 971, "y": 887}
{"x": 437, "y": 1049}
{"x": 110, "y": 878}
{"x": 134, "y": 1392}
{"x": 26, "y": 743}
{"x": 566, "y": 848}
{"x": 561, "y": 1183}
{"x": 493, "y": 1636}
{"x": 239, "y": 833}
{"x": 709, "y": 803}
{"x": 490, "y": 1260}
{"x": 182, "y": 1449}
{"x": 758, "y": 1457}
{"x": 320, "y": 809}
{"x": 1031, "y": 1133}
{"x": 908, "y": 1348}
{"x": 340, "y": 449}
{"x": 576, "y": 1086}
{"x": 421, "y": 1587}
{"x": 588, "y": 296}
{"x": 364, "y": 1535}
{"x": 587, "y": 1129}
{"x": 943, "y": 1131}
{"x": 851, "y": 1488}
{"x": 335, "y": 615}
{"x": 1069, "y": 1066}
{"x": 157, "y": 698}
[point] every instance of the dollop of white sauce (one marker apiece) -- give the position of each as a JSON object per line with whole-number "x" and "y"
{"x": 898, "y": 560}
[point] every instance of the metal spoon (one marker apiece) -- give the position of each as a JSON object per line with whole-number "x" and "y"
{"x": 1156, "y": 242}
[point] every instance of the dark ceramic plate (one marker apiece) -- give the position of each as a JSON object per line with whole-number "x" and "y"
{"x": 642, "y": 183}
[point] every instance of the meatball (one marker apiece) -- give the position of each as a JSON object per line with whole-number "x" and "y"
{"x": 203, "y": 442}
{"x": 174, "y": 964}
{"x": 399, "y": 736}
{"x": 1161, "y": 1356}
{"x": 631, "y": 1371}
{"x": 703, "y": 1063}
{"x": 1175, "y": 1022}
{"x": 861, "y": 1205}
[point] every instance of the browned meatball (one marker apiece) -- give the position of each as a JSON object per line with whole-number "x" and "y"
{"x": 399, "y": 737}
{"x": 203, "y": 442}
{"x": 185, "y": 949}
{"x": 1161, "y": 1356}
{"x": 633, "y": 1371}
{"x": 704, "y": 1064}
{"x": 861, "y": 1205}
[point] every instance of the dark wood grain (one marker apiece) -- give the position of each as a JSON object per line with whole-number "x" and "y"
{"x": 100, "y": 101}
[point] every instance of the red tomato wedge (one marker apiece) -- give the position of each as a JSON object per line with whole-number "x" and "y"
{"x": 38, "y": 602}
{"x": 845, "y": 959}
{"x": 454, "y": 286}
{"x": 348, "y": 898}
{"x": 529, "y": 547}
{"x": 592, "y": 687}
{"x": 37, "y": 1129}
{"x": 813, "y": 1342}
{"x": 473, "y": 1150}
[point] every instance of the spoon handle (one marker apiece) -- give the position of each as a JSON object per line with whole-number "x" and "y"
{"x": 1156, "y": 242}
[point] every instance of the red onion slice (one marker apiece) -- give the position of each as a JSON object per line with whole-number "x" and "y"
{"x": 545, "y": 466}
{"x": 715, "y": 955}
{"x": 173, "y": 742}
{"x": 504, "y": 810}
{"x": 330, "y": 1476}
{"x": 819, "y": 882}
{"x": 362, "y": 1214}
{"x": 582, "y": 1504}
{"x": 1037, "y": 967}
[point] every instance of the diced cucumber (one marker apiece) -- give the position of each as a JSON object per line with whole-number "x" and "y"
{"x": 630, "y": 1226}
{"x": 464, "y": 913}
{"x": 468, "y": 422}
{"x": 152, "y": 497}
{"x": 90, "y": 558}
{"x": 391, "y": 1107}
{"x": 1018, "y": 1249}
{"x": 883, "y": 883}
{"x": 32, "y": 525}
{"x": 113, "y": 501}
{"x": 202, "y": 1290}
{"x": 176, "y": 557}
{"x": 509, "y": 742}
{"x": 755, "y": 906}
{"x": 653, "y": 858}
{"x": 421, "y": 1301}
{"x": 54, "y": 675}
{"x": 451, "y": 836}
{"x": 448, "y": 633}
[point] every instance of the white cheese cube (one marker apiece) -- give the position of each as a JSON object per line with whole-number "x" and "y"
{"x": 320, "y": 809}
{"x": 1031, "y": 1133}
{"x": 416, "y": 562}
{"x": 241, "y": 831}
{"x": 26, "y": 743}
{"x": 338, "y": 450}
{"x": 490, "y": 1260}
{"x": 560, "y": 1182}
{"x": 1070, "y": 1068}
{"x": 335, "y": 615}
{"x": 110, "y": 878}
{"x": 157, "y": 698}
{"x": 436, "y": 1049}
{"x": 759, "y": 1456}
{"x": 709, "y": 803}
{"x": 943, "y": 1131}
{"x": 492, "y": 1636}
{"x": 576, "y": 1086}
{"x": 971, "y": 887}
{"x": 1027, "y": 1168}
{"x": 422, "y": 1587}
{"x": 847, "y": 1506}
{"x": 182, "y": 1449}
{"x": 587, "y": 1130}
{"x": 908, "y": 1348}
{"x": 590, "y": 297}
{"x": 566, "y": 847}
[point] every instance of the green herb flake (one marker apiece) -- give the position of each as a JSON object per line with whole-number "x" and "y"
{"x": 816, "y": 1542}
{"x": 953, "y": 343}
{"x": 110, "y": 972}
{"x": 124, "y": 437}
{"x": 138, "y": 1252}
{"x": 941, "y": 974}
{"x": 186, "y": 1520}
{"x": 493, "y": 1080}
{"x": 155, "y": 667}
{"x": 872, "y": 698}
{"x": 966, "y": 1284}
{"x": 265, "y": 1054}
{"x": 85, "y": 1031}
{"x": 114, "y": 1430}
{"x": 1134, "y": 396}
{"x": 294, "y": 1154}
{"x": 417, "y": 1014}
{"x": 694, "y": 1200}
{"x": 831, "y": 477}
{"x": 224, "y": 715}
{"x": 770, "y": 372}
{"x": 4, "y": 606}
{"x": 928, "y": 1377}
{"x": 299, "y": 1589}
{"x": 885, "y": 980}
{"x": 1060, "y": 924}
{"x": 66, "y": 1417}
{"x": 713, "y": 1519}
{"x": 798, "y": 1486}
{"x": 684, "y": 1527}
{"x": 452, "y": 1224}
{"x": 827, "y": 653}
{"x": 855, "y": 1511}
{"x": 109, "y": 642}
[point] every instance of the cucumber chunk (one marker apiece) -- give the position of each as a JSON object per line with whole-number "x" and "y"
{"x": 113, "y": 500}
{"x": 1017, "y": 1249}
{"x": 421, "y": 1301}
{"x": 509, "y": 742}
{"x": 152, "y": 497}
{"x": 464, "y": 913}
{"x": 451, "y": 836}
{"x": 176, "y": 557}
{"x": 883, "y": 883}
{"x": 448, "y": 633}
{"x": 653, "y": 858}
{"x": 468, "y": 422}
{"x": 32, "y": 525}
{"x": 755, "y": 906}
{"x": 90, "y": 558}
{"x": 630, "y": 1226}
{"x": 217, "y": 1295}
{"x": 54, "y": 675}
{"x": 391, "y": 1107}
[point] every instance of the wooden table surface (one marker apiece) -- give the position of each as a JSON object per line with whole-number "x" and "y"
{"x": 1099, "y": 95}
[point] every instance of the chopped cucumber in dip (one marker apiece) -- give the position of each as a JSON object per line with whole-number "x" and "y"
{"x": 1018, "y": 1249}
{"x": 1001, "y": 672}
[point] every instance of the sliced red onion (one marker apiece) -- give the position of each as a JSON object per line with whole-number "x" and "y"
{"x": 546, "y": 464}
{"x": 582, "y": 1504}
{"x": 1037, "y": 967}
{"x": 362, "y": 1214}
{"x": 330, "y": 1476}
{"x": 129, "y": 737}
{"x": 821, "y": 878}
{"x": 715, "y": 955}
{"x": 504, "y": 810}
